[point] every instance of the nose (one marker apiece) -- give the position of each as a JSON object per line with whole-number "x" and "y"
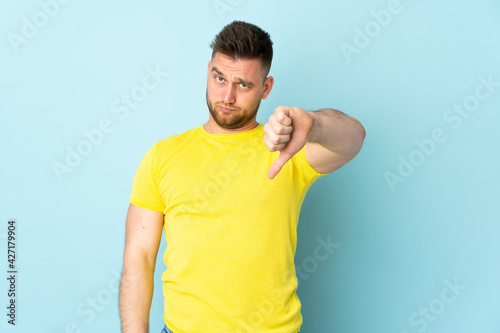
{"x": 229, "y": 95}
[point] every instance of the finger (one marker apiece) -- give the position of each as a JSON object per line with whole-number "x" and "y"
{"x": 282, "y": 114}
{"x": 274, "y": 141}
{"x": 273, "y": 148}
{"x": 278, "y": 127}
{"x": 276, "y": 144}
{"x": 278, "y": 164}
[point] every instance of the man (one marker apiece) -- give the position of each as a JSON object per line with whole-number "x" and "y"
{"x": 228, "y": 194}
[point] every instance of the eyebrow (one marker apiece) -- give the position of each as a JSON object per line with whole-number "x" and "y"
{"x": 238, "y": 79}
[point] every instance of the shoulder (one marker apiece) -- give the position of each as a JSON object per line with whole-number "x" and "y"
{"x": 166, "y": 148}
{"x": 176, "y": 139}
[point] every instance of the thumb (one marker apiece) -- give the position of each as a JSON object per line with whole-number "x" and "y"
{"x": 278, "y": 164}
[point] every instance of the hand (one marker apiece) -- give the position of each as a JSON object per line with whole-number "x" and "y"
{"x": 288, "y": 130}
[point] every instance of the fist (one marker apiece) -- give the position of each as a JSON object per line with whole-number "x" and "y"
{"x": 287, "y": 131}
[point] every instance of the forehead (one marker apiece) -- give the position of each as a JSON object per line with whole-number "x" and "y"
{"x": 247, "y": 68}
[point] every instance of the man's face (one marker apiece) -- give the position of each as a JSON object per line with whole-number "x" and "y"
{"x": 235, "y": 89}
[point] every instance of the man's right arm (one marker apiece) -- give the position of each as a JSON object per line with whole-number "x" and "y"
{"x": 142, "y": 240}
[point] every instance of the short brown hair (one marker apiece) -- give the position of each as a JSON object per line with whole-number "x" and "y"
{"x": 241, "y": 40}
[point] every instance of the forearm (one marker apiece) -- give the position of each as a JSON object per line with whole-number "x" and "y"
{"x": 337, "y": 131}
{"x": 136, "y": 293}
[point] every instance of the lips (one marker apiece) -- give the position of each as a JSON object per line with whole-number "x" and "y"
{"x": 227, "y": 110}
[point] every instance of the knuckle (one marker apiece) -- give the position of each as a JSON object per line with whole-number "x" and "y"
{"x": 268, "y": 145}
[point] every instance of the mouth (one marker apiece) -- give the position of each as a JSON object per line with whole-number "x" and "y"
{"x": 226, "y": 110}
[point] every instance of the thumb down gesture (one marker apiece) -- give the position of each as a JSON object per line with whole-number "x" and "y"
{"x": 288, "y": 130}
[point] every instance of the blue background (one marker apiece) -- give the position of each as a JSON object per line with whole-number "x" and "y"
{"x": 400, "y": 243}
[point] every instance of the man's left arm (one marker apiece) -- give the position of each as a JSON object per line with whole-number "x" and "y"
{"x": 331, "y": 137}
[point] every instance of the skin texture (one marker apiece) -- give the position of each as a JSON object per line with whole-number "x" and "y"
{"x": 235, "y": 88}
{"x": 142, "y": 240}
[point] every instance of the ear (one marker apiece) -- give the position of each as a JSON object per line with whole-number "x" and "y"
{"x": 208, "y": 69}
{"x": 268, "y": 85}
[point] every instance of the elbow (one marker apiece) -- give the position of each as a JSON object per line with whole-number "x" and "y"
{"x": 362, "y": 130}
{"x": 362, "y": 133}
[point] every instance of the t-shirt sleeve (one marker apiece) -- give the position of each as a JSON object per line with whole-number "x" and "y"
{"x": 306, "y": 172}
{"x": 145, "y": 191}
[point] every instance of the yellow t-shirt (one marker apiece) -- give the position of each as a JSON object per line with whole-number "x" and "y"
{"x": 230, "y": 230}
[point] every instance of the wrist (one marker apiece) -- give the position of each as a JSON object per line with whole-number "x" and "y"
{"x": 315, "y": 131}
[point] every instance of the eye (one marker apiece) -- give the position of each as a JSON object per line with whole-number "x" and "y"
{"x": 219, "y": 79}
{"x": 243, "y": 85}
